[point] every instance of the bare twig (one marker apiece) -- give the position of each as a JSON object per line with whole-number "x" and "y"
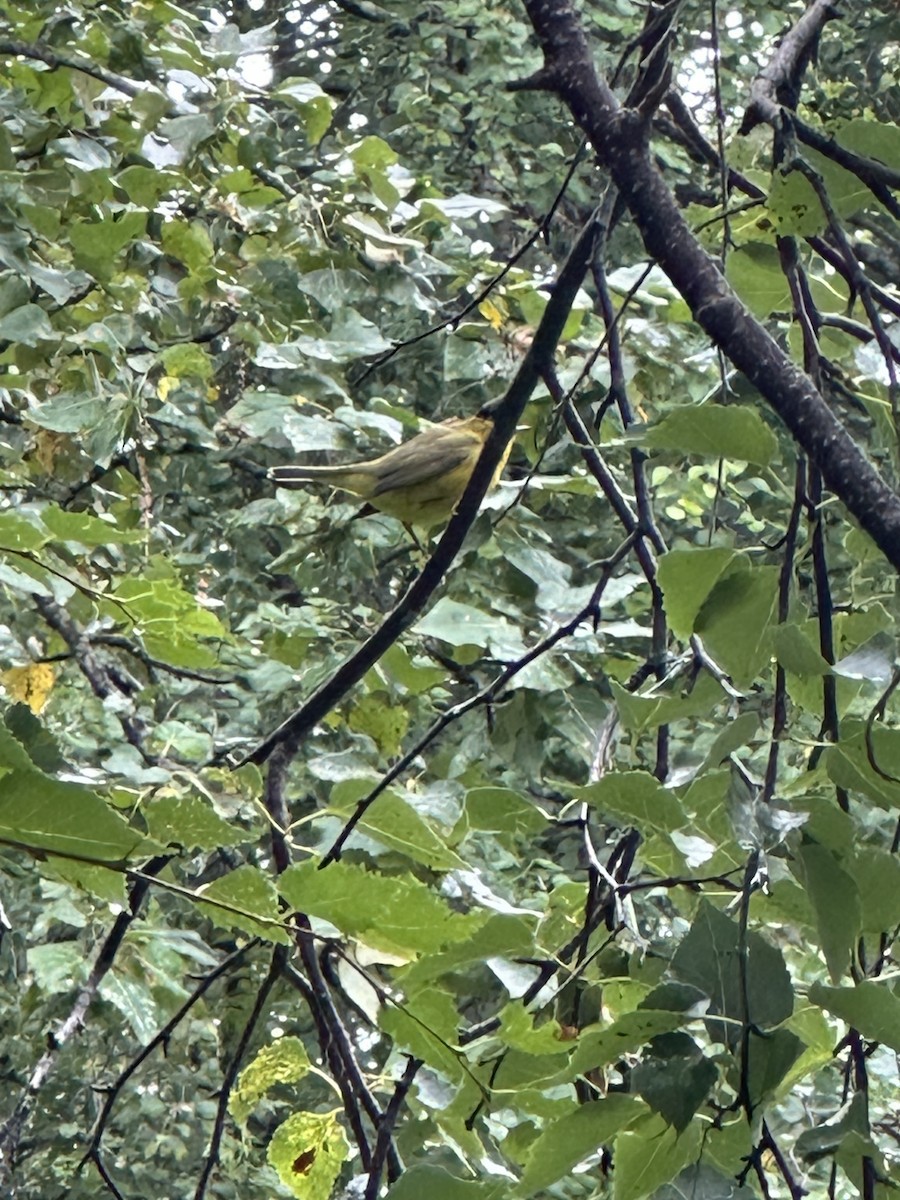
{"x": 276, "y": 966}
{"x": 486, "y": 696}
{"x": 13, "y": 1128}
{"x": 92, "y": 1153}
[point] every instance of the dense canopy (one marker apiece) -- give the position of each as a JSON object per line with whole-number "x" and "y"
{"x": 551, "y": 855}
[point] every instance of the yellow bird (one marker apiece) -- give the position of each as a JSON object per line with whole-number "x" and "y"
{"x": 420, "y": 482}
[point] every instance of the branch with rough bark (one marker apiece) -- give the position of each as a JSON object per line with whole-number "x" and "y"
{"x": 620, "y": 138}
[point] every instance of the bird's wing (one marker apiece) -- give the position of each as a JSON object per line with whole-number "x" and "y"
{"x": 429, "y": 455}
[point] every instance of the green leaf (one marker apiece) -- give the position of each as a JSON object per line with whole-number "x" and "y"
{"x": 463, "y": 625}
{"x": 687, "y": 577}
{"x": 737, "y": 733}
{"x": 571, "y": 1139}
{"x": 397, "y": 914}
{"x": 282, "y": 1061}
{"x": 308, "y": 1150}
{"x": 372, "y": 152}
{"x": 134, "y": 1000}
{"x": 145, "y": 185}
{"x": 186, "y": 134}
{"x": 795, "y": 205}
{"x": 502, "y": 936}
{"x": 878, "y": 140}
{"x": 652, "y": 1155}
{"x": 27, "y": 326}
{"x": 797, "y": 654}
{"x": 421, "y": 1180}
{"x": 352, "y": 336}
{"x": 61, "y": 286}
{"x": 86, "y": 529}
{"x": 825, "y": 1138}
{"x": 69, "y": 413}
{"x": 102, "y": 882}
{"x": 769, "y": 1058}
{"x": 97, "y": 244}
{"x": 502, "y": 811}
{"x": 413, "y": 674}
{"x": 57, "y": 967}
{"x": 674, "y": 1078}
{"x": 709, "y": 958}
{"x": 20, "y": 532}
{"x": 170, "y": 622}
{"x": 43, "y": 813}
{"x": 426, "y": 1027}
{"x": 312, "y": 103}
{"x": 735, "y": 621}
{"x": 849, "y": 767}
{"x": 715, "y": 431}
{"x": 637, "y": 798}
{"x": 245, "y": 899}
{"x": 187, "y": 362}
{"x": 30, "y": 579}
{"x": 519, "y": 1030}
{"x": 189, "y": 821}
{"x": 189, "y": 242}
{"x": 754, "y": 271}
{"x": 701, "y": 1181}
{"x": 876, "y": 874}
{"x": 395, "y": 823}
{"x": 835, "y": 899}
{"x": 385, "y": 723}
{"x": 872, "y": 1008}
{"x": 640, "y": 713}
{"x": 598, "y": 1047}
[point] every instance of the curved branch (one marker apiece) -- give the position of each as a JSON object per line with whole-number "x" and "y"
{"x": 279, "y": 958}
{"x": 779, "y": 80}
{"x": 92, "y": 1154}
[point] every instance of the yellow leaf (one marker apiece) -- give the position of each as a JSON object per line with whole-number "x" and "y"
{"x": 491, "y": 314}
{"x": 30, "y": 685}
{"x": 47, "y": 446}
{"x": 307, "y": 1151}
{"x": 165, "y": 386}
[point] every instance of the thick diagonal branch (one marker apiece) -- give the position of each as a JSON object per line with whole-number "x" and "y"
{"x": 620, "y": 139}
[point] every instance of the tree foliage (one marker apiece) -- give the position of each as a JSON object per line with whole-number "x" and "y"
{"x": 556, "y": 855}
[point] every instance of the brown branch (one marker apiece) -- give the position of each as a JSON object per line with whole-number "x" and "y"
{"x": 620, "y": 139}
{"x": 779, "y": 80}
{"x": 384, "y": 1140}
{"x": 98, "y": 675}
{"x": 92, "y": 1154}
{"x": 279, "y": 958}
{"x": 44, "y": 54}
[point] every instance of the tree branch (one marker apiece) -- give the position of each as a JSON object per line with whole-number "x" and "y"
{"x": 620, "y": 139}
{"x": 779, "y": 80}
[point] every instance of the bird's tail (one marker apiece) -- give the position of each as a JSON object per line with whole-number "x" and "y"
{"x": 348, "y": 478}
